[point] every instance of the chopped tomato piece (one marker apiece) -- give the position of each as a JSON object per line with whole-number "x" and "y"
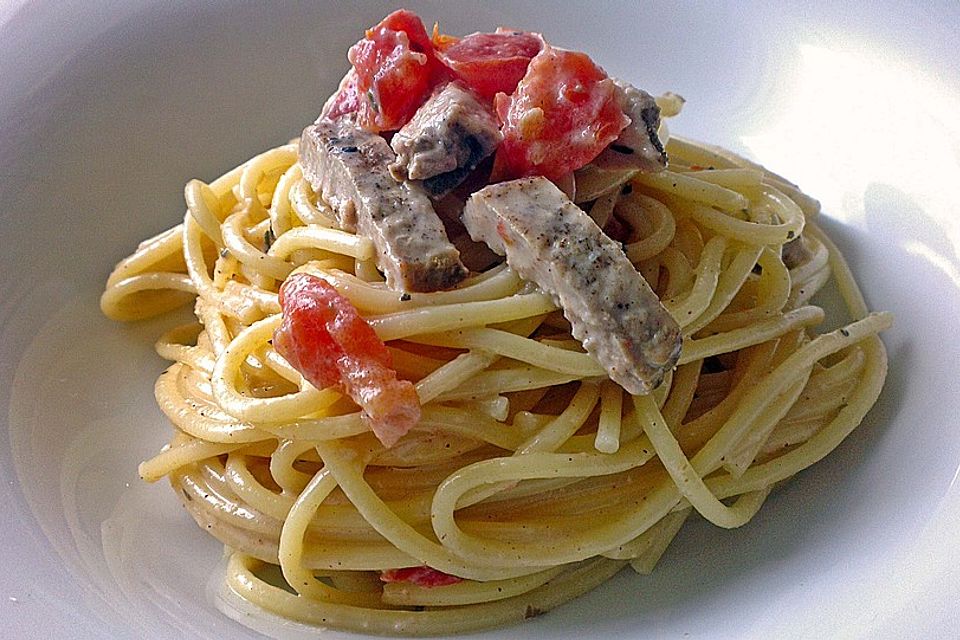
{"x": 346, "y": 99}
{"x": 420, "y": 576}
{"x": 560, "y": 117}
{"x": 491, "y": 63}
{"x": 411, "y": 24}
{"x": 396, "y": 67}
{"x": 324, "y": 338}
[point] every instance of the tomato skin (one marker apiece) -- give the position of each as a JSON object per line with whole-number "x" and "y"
{"x": 557, "y": 108}
{"x": 324, "y": 338}
{"x": 421, "y": 576}
{"x": 411, "y": 24}
{"x": 345, "y": 100}
{"x": 395, "y": 67}
{"x": 491, "y": 63}
{"x": 560, "y": 117}
{"x": 393, "y": 80}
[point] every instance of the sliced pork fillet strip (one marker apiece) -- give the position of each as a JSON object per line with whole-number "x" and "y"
{"x": 348, "y": 167}
{"x": 612, "y": 310}
{"x": 638, "y": 146}
{"x": 445, "y": 140}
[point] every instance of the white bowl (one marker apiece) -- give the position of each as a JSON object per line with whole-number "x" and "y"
{"x": 106, "y": 111}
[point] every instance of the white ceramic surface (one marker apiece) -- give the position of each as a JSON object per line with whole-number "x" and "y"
{"x": 106, "y": 109}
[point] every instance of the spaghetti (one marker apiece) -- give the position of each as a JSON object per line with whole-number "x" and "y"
{"x": 530, "y": 477}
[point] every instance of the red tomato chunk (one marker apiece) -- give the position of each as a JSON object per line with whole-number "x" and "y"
{"x": 324, "y": 338}
{"x": 557, "y": 108}
{"x": 396, "y": 67}
{"x": 561, "y": 116}
{"x": 420, "y": 576}
{"x": 346, "y": 99}
{"x": 491, "y": 63}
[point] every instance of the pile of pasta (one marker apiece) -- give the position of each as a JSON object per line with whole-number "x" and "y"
{"x": 531, "y": 475}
